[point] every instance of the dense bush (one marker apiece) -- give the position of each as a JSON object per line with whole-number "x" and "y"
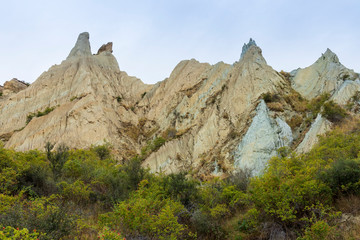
{"x": 315, "y": 104}
{"x": 148, "y": 213}
{"x": 333, "y": 112}
{"x": 61, "y": 193}
{"x": 270, "y": 97}
{"x": 343, "y": 176}
{"x": 288, "y": 191}
{"x": 103, "y": 151}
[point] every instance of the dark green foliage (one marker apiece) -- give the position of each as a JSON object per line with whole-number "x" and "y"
{"x": 158, "y": 142}
{"x": 179, "y": 187}
{"x": 57, "y": 158}
{"x": 135, "y": 173}
{"x": 315, "y": 105}
{"x": 44, "y": 215}
{"x": 333, "y": 112}
{"x": 118, "y": 99}
{"x": 37, "y": 181}
{"x": 240, "y": 179}
{"x": 143, "y": 95}
{"x": 152, "y": 146}
{"x": 30, "y": 116}
{"x": 270, "y": 97}
{"x": 1, "y": 94}
{"x": 343, "y": 176}
{"x": 103, "y": 151}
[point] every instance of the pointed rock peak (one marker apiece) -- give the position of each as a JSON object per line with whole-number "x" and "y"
{"x": 106, "y": 48}
{"x": 246, "y": 47}
{"x": 329, "y": 56}
{"x": 252, "y": 53}
{"x": 82, "y": 46}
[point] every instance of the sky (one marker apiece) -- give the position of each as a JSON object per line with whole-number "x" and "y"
{"x": 151, "y": 37}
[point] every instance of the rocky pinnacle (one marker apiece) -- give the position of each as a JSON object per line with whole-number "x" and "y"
{"x": 82, "y": 46}
{"x": 246, "y": 47}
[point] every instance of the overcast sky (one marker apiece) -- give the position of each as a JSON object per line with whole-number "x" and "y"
{"x": 151, "y": 37}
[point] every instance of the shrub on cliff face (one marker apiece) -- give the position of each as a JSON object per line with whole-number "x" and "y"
{"x": 333, "y": 112}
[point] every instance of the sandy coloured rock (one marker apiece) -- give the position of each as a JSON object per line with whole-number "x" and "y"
{"x": 215, "y": 113}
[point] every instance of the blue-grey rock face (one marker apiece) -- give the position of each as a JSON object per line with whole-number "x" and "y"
{"x": 264, "y": 136}
{"x": 82, "y": 46}
{"x": 246, "y": 47}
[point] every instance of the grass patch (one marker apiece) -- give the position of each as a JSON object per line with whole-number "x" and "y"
{"x": 47, "y": 110}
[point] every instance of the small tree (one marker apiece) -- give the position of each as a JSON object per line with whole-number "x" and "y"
{"x": 57, "y": 158}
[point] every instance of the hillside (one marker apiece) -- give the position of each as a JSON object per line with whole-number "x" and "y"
{"x": 208, "y": 117}
{"x": 224, "y": 151}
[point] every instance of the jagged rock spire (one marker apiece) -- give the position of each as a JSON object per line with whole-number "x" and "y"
{"x": 246, "y": 47}
{"x": 329, "y": 56}
{"x": 82, "y": 46}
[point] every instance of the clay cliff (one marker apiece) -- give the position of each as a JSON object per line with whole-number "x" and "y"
{"x": 211, "y": 119}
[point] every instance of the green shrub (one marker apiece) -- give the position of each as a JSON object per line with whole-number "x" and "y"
{"x": 103, "y": 151}
{"x": 146, "y": 213}
{"x": 333, "y": 112}
{"x": 16, "y": 233}
{"x": 343, "y": 176}
{"x": 43, "y": 214}
{"x": 320, "y": 230}
{"x": 118, "y": 99}
{"x": 29, "y": 117}
{"x": 240, "y": 179}
{"x": 47, "y": 110}
{"x": 152, "y": 146}
{"x": 77, "y": 192}
{"x": 57, "y": 158}
{"x": 315, "y": 104}
{"x": 287, "y": 188}
{"x": 177, "y": 186}
{"x": 270, "y": 97}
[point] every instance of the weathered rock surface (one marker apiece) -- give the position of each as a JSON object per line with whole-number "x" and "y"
{"x": 247, "y": 47}
{"x": 210, "y": 103}
{"x": 13, "y": 86}
{"x": 219, "y": 122}
{"x": 91, "y": 97}
{"x": 326, "y": 75}
{"x": 346, "y": 91}
{"x": 106, "y": 48}
{"x": 82, "y": 46}
{"x": 264, "y": 136}
{"x": 319, "y": 127}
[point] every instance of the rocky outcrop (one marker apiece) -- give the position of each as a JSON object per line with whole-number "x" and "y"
{"x": 92, "y": 100}
{"x": 82, "y": 46}
{"x": 326, "y": 75}
{"x": 246, "y": 47}
{"x": 261, "y": 141}
{"x": 106, "y": 48}
{"x": 212, "y": 105}
{"x": 13, "y": 86}
{"x": 319, "y": 127}
{"x": 346, "y": 91}
{"x": 218, "y": 121}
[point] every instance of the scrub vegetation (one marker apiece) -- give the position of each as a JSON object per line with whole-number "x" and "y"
{"x": 60, "y": 193}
